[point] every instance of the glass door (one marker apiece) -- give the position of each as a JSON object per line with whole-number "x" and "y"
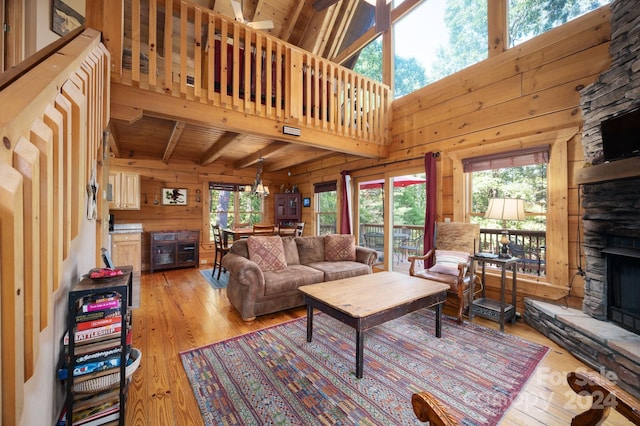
{"x": 407, "y": 218}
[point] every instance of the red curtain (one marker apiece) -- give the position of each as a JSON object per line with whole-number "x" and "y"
{"x": 345, "y": 219}
{"x": 430, "y": 211}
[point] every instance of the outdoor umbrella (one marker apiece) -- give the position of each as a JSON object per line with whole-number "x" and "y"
{"x": 398, "y": 182}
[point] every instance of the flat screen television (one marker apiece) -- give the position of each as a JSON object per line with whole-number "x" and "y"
{"x": 621, "y": 136}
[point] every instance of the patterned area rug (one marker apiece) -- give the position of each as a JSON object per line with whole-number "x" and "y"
{"x": 213, "y": 281}
{"x": 273, "y": 376}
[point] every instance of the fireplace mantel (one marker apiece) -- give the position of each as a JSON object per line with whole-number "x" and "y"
{"x": 620, "y": 169}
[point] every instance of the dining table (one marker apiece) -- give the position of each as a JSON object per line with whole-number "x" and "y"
{"x": 246, "y": 232}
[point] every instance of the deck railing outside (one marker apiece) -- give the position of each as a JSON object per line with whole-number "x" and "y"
{"x": 200, "y": 55}
{"x": 532, "y": 242}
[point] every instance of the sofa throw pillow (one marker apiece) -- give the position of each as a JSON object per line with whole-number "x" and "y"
{"x": 447, "y": 261}
{"x": 339, "y": 247}
{"x": 267, "y": 252}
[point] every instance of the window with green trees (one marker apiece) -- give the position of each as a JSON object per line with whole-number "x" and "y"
{"x": 326, "y": 203}
{"x": 441, "y": 37}
{"x": 230, "y": 205}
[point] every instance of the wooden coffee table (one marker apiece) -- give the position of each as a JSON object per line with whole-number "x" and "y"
{"x": 366, "y": 301}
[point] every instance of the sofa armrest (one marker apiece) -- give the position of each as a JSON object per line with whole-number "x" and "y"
{"x": 366, "y": 255}
{"x": 243, "y": 270}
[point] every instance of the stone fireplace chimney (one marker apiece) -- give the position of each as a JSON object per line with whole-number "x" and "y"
{"x": 611, "y": 200}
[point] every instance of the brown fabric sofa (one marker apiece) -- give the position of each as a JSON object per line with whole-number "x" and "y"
{"x": 254, "y": 291}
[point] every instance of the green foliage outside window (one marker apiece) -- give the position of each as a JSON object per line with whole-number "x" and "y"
{"x": 527, "y": 182}
{"x": 327, "y": 206}
{"x": 441, "y": 37}
{"x": 226, "y": 206}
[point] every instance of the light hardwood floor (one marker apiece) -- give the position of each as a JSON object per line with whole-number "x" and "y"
{"x": 180, "y": 311}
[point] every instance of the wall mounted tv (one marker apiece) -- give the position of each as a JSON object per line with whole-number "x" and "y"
{"x": 621, "y": 136}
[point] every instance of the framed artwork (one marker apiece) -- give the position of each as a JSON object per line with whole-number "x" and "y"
{"x": 306, "y": 202}
{"x": 66, "y": 15}
{"x": 174, "y": 197}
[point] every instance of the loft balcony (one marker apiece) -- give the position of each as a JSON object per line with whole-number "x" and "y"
{"x": 196, "y": 55}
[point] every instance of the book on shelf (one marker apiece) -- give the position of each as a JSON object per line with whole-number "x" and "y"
{"x": 100, "y": 305}
{"x": 97, "y": 412}
{"x": 84, "y": 401}
{"x": 100, "y": 355}
{"x": 93, "y": 334}
{"x": 102, "y": 344}
{"x": 90, "y": 367}
{"x": 81, "y": 317}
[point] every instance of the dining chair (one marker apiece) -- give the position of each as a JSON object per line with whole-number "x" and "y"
{"x": 220, "y": 250}
{"x": 261, "y": 229}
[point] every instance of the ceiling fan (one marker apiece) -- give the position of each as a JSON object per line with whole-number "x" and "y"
{"x": 258, "y": 25}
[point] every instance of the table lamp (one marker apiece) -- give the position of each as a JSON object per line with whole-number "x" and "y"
{"x": 505, "y": 209}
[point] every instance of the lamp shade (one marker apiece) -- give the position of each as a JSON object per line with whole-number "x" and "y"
{"x": 505, "y": 209}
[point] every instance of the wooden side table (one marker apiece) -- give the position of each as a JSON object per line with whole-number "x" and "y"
{"x": 489, "y": 308}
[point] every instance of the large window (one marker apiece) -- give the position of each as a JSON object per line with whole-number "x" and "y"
{"x": 529, "y": 18}
{"x": 326, "y": 207}
{"x": 437, "y": 39}
{"x": 231, "y": 206}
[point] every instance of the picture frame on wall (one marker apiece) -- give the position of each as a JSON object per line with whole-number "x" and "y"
{"x": 174, "y": 196}
{"x": 67, "y": 15}
{"x": 306, "y": 202}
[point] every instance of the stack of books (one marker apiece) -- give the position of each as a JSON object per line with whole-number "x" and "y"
{"x": 97, "y": 352}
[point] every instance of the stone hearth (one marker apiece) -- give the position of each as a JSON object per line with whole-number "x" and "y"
{"x": 601, "y": 345}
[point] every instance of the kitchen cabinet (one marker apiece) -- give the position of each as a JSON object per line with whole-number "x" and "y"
{"x": 125, "y": 191}
{"x": 174, "y": 249}
{"x": 126, "y": 249}
{"x": 287, "y": 208}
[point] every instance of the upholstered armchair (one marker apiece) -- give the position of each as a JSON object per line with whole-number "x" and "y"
{"x": 455, "y": 243}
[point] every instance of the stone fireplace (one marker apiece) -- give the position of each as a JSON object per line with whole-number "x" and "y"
{"x": 606, "y": 333}
{"x": 611, "y": 205}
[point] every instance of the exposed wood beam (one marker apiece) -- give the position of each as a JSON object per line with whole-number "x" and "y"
{"x": 356, "y": 46}
{"x": 396, "y": 14}
{"x": 255, "y": 15}
{"x": 320, "y": 5}
{"x": 498, "y": 25}
{"x": 340, "y": 32}
{"x": 126, "y": 113}
{"x": 215, "y": 151}
{"x": 325, "y": 30}
{"x": 294, "y": 16}
{"x": 383, "y": 19}
{"x": 265, "y": 152}
{"x": 113, "y": 141}
{"x": 178, "y": 128}
{"x": 292, "y": 161}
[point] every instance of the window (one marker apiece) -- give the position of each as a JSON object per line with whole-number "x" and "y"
{"x": 326, "y": 207}
{"x": 230, "y": 206}
{"x": 520, "y": 174}
{"x": 437, "y": 39}
{"x": 528, "y": 19}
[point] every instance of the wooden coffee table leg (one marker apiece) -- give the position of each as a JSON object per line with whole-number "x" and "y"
{"x": 439, "y": 320}
{"x": 309, "y": 323}
{"x": 359, "y": 352}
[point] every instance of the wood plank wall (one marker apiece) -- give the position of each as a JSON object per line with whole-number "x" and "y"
{"x": 51, "y": 125}
{"x": 155, "y": 175}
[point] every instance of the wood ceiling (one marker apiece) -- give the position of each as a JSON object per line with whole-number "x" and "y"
{"x": 324, "y": 27}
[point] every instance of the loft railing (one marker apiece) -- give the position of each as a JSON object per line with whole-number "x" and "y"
{"x": 187, "y": 51}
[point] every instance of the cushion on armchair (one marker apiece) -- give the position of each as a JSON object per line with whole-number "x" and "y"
{"x": 267, "y": 252}
{"x": 339, "y": 247}
{"x": 447, "y": 261}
